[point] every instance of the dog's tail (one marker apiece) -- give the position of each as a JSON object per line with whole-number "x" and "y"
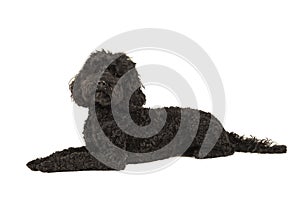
{"x": 254, "y": 145}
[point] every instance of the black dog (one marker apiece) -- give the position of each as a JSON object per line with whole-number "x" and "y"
{"x": 120, "y": 131}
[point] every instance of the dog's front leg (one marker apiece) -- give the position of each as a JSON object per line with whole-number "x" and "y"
{"x": 72, "y": 159}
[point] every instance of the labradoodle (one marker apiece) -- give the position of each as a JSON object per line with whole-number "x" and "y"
{"x": 120, "y": 131}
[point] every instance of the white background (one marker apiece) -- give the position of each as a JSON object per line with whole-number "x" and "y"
{"x": 254, "y": 44}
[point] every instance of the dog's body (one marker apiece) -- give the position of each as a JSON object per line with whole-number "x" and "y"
{"x": 184, "y": 132}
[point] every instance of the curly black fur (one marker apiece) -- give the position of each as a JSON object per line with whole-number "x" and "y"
{"x": 94, "y": 87}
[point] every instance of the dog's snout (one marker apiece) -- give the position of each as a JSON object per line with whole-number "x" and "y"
{"x": 102, "y": 84}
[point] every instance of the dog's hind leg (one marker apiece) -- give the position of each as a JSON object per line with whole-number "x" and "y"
{"x": 219, "y": 152}
{"x": 72, "y": 159}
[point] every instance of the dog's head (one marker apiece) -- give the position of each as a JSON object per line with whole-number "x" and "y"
{"x": 98, "y": 78}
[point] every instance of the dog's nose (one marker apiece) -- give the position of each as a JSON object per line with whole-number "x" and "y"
{"x": 102, "y": 84}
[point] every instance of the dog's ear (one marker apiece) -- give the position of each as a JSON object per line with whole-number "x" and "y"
{"x": 138, "y": 98}
{"x": 124, "y": 66}
{"x": 133, "y": 88}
